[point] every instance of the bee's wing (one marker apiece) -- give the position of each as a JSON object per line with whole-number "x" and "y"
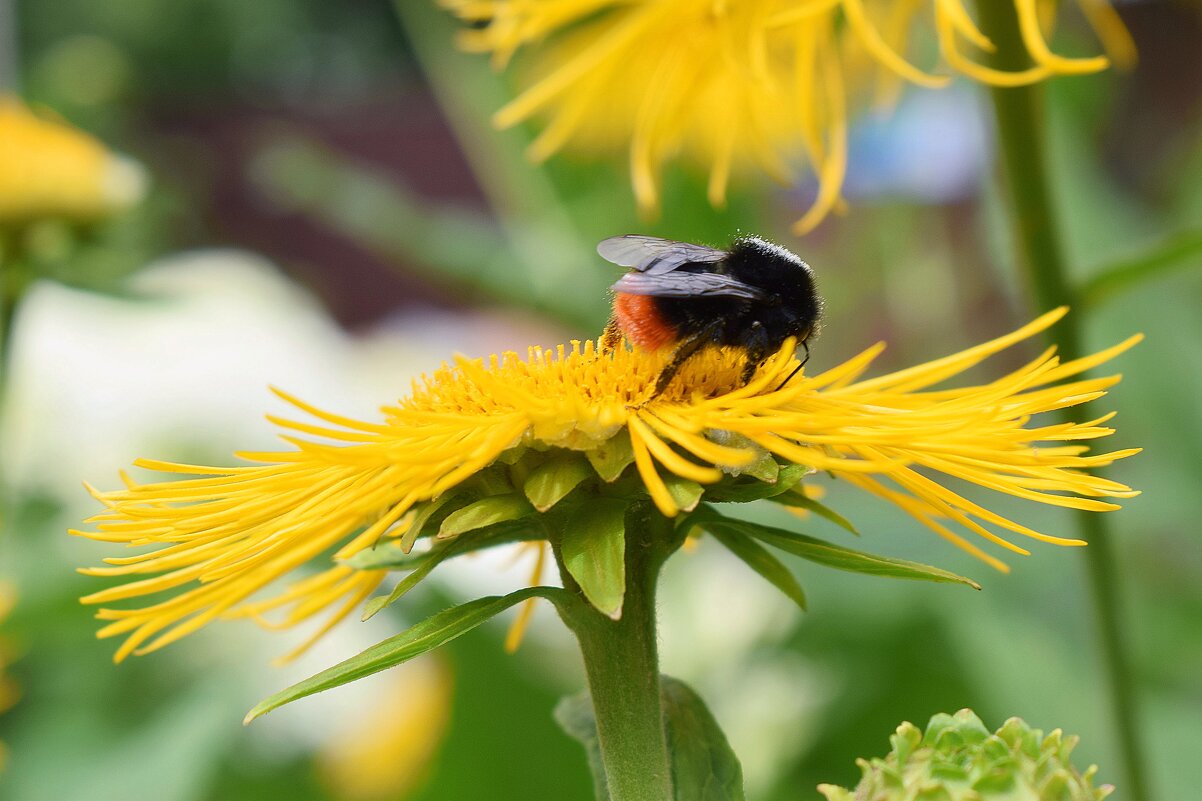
{"x": 654, "y": 256}
{"x": 686, "y": 285}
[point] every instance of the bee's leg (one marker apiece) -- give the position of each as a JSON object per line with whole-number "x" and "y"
{"x": 611, "y": 337}
{"x": 684, "y": 350}
{"x": 805, "y": 346}
{"x": 757, "y": 350}
{"x": 796, "y": 370}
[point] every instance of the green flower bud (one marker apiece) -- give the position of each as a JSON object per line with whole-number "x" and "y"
{"x": 958, "y": 759}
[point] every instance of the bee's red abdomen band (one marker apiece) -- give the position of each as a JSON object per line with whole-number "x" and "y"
{"x": 641, "y": 321}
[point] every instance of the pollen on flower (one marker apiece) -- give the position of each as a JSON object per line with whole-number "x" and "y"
{"x": 217, "y": 536}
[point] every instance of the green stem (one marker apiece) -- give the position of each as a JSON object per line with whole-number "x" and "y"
{"x": 1020, "y": 122}
{"x": 10, "y": 294}
{"x": 622, "y": 663}
{"x": 10, "y": 71}
{"x": 12, "y": 286}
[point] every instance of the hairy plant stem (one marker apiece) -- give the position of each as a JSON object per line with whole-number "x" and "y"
{"x": 1021, "y": 137}
{"x": 622, "y": 663}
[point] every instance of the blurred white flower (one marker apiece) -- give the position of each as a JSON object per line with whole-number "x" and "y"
{"x": 185, "y": 367}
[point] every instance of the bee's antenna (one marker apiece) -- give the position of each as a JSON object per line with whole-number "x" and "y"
{"x": 797, "y": 368}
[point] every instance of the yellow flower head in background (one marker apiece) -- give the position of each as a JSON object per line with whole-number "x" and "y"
{"x": 49, "y": 169}
{"x": 765, "y": 83}
{"x": 484, "y": 452}
{"x": 9, "y": 692}
{"x": 389, "y": 752}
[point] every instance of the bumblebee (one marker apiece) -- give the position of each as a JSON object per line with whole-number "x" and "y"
{"x": 753, "y": 297}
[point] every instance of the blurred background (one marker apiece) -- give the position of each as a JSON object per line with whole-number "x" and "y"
{"x": 328, "y": 210}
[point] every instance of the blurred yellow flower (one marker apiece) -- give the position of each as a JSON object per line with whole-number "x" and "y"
{"x": 388, "y": 753}
{"x": 49, "y": 169}
{"x": 9, "y": 693}
{"x": 219, "y": 535}
{"x": 767, "y": 83}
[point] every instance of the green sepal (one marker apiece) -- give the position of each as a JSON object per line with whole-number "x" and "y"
{"x": 431, "y": 633}
{"x": 704, "y": 768}
{"x": 424, "y": 513}
{"x": 513, "y": 455}
{"x": 552, "y": 480}
{"x": 593, "y": 548}
{"x": 745, "y": 490}
{"x": 687, "y": 494}
{"x": 485, "y": 512}
{"x": 829, "y": 554}
{"x": 833, "y": 793}
{"x": 492, "y": 480}
{"x": 494, "y": 534}
{"x": 392, "y": 555}
{"x": 796, "y": 497}
{"x": 761, "y": 561}
{"x": 388, "y": 556}
{"x": 765, "y": 467}
{"x": 611, "y": 457}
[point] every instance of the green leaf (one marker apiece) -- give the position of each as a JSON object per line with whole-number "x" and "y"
{"x": 434, "y": 558}
{"x": 761, "y": 561}
{"x": 431, "y": 633}
{"x": 594, "y": 552}
{"x": 745, "y": 490}
{"x": 830, "y": 555}
{"x": 574, "y": 714}
{"x": 552, "y": 480}
{"x": 704, "y": 768}
{"x": 485, "y": 512}
{"x": 612, "y": 457}
{"x": 495, "y": 534}
{"x": 1182, "y": 251}
{"x": 797, "y": 498}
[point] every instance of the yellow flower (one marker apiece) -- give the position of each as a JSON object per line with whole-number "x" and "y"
{"x": 9, "y": 693}
{"x": 219, "y": 535}
{"x": 389, "y": 752}
{"x": 757, "y": 82}
{"x": 49, "y": 169}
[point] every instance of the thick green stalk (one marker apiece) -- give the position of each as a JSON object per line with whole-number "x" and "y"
{"x": 622, "y": 663}
{"x": 1021, "y": 137}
